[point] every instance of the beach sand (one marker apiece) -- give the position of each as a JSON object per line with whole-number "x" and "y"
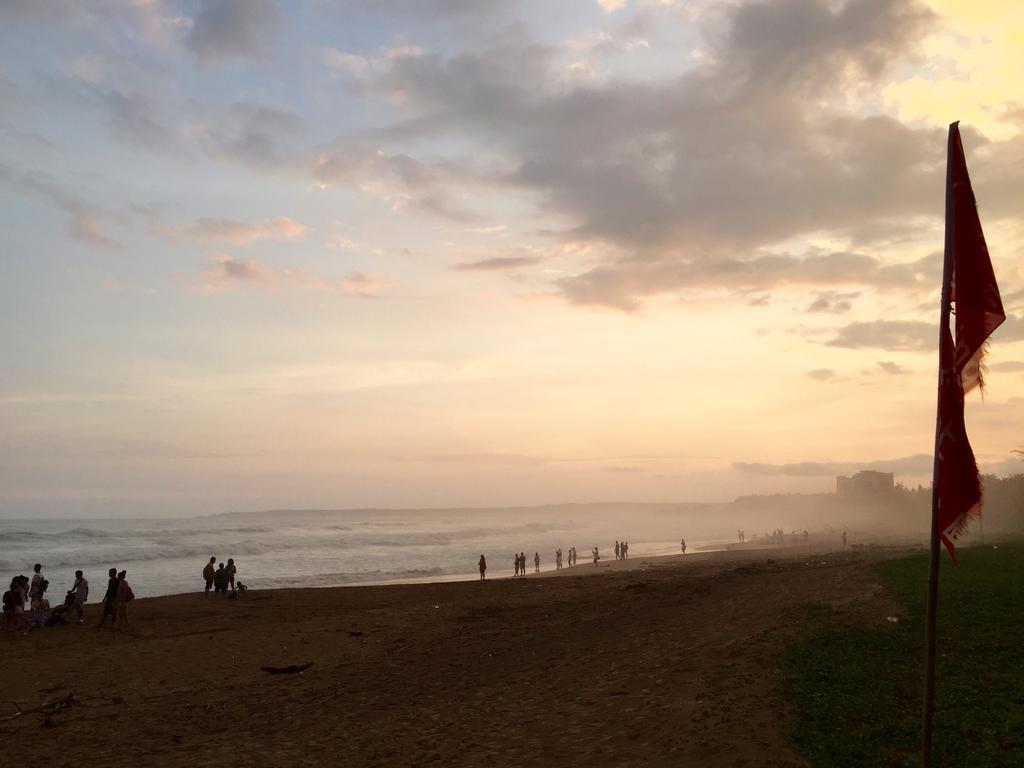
{"x": 648, "y": 662}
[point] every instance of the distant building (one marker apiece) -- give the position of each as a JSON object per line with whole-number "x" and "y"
{"x": 866, "y": 483}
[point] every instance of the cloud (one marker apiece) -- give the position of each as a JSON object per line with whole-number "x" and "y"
{"x": 234, "y": 29}
{"x": 498, "y": 264}
{"x": 260, "y": 137}
{"x": 400, "y": 179}
{"x": 896, "y": 335}
{"x": 779, "y": 157}
{"x": 231, "y": 232}
{"x": 822, "y": 374}
{"x": 832, "y": 302}
{"x": 135, "y": 117}
{"x": 226, "y": 273}
{"x": 85, "y": 219}
{"x": 917, "y": 464}
{"x": 893, "y": 369}
{"x": 622, "y": 284}
{"x": 1007, "y": 366}
{"x": 86, "y": 222}
{"x": 910, "y": 335}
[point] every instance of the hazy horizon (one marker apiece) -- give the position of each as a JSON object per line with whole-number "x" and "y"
{"x": 265, "y": 254}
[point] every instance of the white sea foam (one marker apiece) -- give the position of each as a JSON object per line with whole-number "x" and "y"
{"x": 314, "y": 548}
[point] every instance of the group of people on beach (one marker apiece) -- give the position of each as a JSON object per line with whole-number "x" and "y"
{"x": 520, "y": 562}
{"x": 26, "y": 606}
{"x": 621, "y": 550}
{"x": 560, "y": 558}
{"x": 222, "y": 578}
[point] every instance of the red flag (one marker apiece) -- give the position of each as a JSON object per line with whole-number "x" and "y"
{"x": 977, "y": 310}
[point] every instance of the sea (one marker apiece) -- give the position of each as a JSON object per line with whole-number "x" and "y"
{"x": 327, "y": 548}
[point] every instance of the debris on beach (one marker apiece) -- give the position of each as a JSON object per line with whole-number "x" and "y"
{"x": 292, "y": 669}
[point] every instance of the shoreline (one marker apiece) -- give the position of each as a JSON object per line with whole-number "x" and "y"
{"x": 654, "y": 661}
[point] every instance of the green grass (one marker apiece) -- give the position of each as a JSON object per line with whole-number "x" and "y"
{"x": 857, "y": 692}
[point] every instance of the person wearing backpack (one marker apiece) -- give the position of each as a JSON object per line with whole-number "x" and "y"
{"x": 208, "y": 574}
{"x": 37, "y": 580}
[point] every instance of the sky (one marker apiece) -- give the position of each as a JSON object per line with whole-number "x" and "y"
{"x": 262, "y": 254}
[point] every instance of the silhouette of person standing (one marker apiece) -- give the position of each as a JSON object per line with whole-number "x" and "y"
{"x": 483, "y": 567}
{"x": 536, "y": 562}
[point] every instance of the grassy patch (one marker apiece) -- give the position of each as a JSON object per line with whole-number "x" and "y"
{"x": 857, "y": 691}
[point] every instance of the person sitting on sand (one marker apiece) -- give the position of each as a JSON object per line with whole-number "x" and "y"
{"x": 483, "y": 567}
{"x": 124, "y": 596}
{"x": 536, "y": 562}
{"x": 78, "y": 594}
{"x": 14, "y": 607}
{"x": 220, "y": 579}
{"x": 109, "y": 599}
{"x": 208, "y": 574}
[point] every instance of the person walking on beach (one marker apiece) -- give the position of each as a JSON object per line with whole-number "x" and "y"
{"x": 109, "y": 605}
{"x": 79, "y": 593}
{"x": 597, "y": 556}
{"x": 682, "y": 545}
{"x": 124, "y": 596}
{"x": 625, "y": 550}
{"x": 522, "y": 563}
{"x": 536, "y": 562}
{"x": 483, "y": 567}
{"x": 618, "y": 550}
{"x": 208, "y": 574}
{"x": 230, "y": 568}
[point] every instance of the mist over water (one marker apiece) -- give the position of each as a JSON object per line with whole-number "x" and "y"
{"x": 331, "y": 548}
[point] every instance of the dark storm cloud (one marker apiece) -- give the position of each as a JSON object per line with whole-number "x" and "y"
{"x": 235, "y": 29}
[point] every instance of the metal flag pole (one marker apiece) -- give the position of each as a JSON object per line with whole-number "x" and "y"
{"x": 928, "y": 709}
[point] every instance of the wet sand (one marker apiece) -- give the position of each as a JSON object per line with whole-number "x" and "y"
{"x": 648, "y": 662}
